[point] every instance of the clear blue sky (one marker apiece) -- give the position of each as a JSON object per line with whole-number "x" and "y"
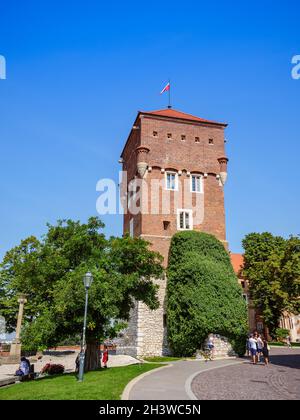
{"x": 77, "y": 72}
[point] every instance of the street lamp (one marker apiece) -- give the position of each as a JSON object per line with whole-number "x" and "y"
{"x": 87, "y": 281}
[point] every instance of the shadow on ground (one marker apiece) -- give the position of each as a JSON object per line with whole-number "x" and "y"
{"x": 290, "y": 360}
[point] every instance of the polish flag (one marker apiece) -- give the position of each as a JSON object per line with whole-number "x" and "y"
{"x": 167, "y": 87}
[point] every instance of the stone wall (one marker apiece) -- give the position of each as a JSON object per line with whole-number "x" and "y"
{"x": 146, "y": 334}
{"x": 222, "y": 347}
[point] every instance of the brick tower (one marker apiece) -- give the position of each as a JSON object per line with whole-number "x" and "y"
{"x": 175, "y": 169}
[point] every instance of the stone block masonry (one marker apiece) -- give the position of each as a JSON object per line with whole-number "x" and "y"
{"x": 146, "y": 334}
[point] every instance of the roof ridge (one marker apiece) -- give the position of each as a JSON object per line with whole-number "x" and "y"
{"x": 167, "y": 112}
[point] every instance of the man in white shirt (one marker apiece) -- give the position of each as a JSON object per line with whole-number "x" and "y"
{"x": 253, "y": 348}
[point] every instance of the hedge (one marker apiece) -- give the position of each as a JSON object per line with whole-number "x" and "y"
{"x": 203, "y": 294}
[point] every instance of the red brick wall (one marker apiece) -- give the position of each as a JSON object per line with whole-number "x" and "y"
{"x": 179, "y": 155}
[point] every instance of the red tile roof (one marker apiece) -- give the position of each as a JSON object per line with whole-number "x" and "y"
{"x": 173, "y": 113}
{"x": 237, "y": 261}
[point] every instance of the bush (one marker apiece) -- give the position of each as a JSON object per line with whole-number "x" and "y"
{"x": 53, "y": 369}
{"x": 281, "y": 333}
{"x": 203, "y": 294}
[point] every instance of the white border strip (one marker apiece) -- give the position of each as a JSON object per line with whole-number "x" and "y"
{"x": 126, "y": 393}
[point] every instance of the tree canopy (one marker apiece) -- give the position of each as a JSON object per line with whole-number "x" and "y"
{"x": 203, "y": 294}
{"x": 272, "y": 267}
{"x": 50, "y": 271}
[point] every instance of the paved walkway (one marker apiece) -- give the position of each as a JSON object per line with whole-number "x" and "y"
{"x": 172, "y": 382}
{"x": 223, "y": 379}
{"x": 278, "y": 381}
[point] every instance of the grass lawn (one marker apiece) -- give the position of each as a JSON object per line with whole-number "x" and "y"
{"x": 104, "y": 384}
{"x": 159, "y": 359}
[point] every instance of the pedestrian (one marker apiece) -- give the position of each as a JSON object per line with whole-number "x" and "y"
{"x": 77, "y": 361}
{"x": 288, "y": 341}
{"x": 265, "y": 351}
{"x": 210, "y": 346}
{"x": 248, "y": 346}
{"x": 260, "y": 345}
{"x": 105, "y": 357}
{"x": 253, "y": 348}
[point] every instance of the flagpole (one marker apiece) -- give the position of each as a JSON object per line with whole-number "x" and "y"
{"x": 169, "y": 106}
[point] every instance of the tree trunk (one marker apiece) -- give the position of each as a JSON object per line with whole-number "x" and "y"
{"x": 92, "y": 356}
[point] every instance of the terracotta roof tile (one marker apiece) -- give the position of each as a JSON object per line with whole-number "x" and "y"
{"x": 173, "y": 113}
{"x": 237, "y": 261}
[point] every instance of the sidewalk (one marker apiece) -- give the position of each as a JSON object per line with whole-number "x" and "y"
{"x": 278, "y": 381}
{"x": 172, "y": 382}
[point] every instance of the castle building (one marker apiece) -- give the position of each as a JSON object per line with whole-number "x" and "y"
{"x": 174, "y": 171}
{"x": 288, "y": 321}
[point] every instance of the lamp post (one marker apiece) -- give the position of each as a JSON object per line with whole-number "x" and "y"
{"x": 87, "y": 281}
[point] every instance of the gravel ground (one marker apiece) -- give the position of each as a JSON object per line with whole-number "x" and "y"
{"x": 68, "y": 361}
{"x": 278, "y": 381}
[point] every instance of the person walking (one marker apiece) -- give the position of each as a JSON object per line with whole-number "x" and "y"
{"x": 265, "y": 351}
{"x": 260, "y": 345}
{"x": 248, "y": 346}
{"x": 253, "y": 348}
{"x": 210, "y": 346}
{"x": 288, "y": 341}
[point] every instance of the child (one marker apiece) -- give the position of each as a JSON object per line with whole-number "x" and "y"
{"x": 105, "y": 357}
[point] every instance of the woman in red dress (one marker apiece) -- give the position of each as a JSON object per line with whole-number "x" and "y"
{"x": 105, "y": 357}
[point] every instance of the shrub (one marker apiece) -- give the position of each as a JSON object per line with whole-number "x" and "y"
{"x": 203, "y": 294}
{"x": 53, "y": 369}
{"x": 281, "y": 333}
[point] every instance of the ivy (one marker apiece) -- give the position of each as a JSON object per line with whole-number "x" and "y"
{"x": 203, "y": 294}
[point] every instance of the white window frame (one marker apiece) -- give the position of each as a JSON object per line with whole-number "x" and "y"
{"x": 179, "y": 211}
{"x": 176, "y": 180}
{"x": 201, "y": 183}
{"x": 131, "y": 227}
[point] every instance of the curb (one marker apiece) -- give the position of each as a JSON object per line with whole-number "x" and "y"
{"x": 188, "y": 382}
{"x": 130, "y": 385}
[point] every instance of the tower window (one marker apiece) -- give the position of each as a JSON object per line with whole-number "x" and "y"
{"x": 155, "y": 134}
{"x": 197, "y": 183}
{"x": 131, "y": 228}
{"x": 169, "y": 135}
{"x": 184, "y": 219}
{"x": 131, "y": 194}
{"x": 197, "y": 139}
{"x": 166, "y": 224}
{"x": 210, "y": 141}
{"x": 260, "y": 326}
{"x": 183, "y": 137}
{"x": 171, "y": 181}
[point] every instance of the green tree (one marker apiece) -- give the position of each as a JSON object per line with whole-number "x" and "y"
{"x": 50, "y": 272}
{"x": 203, "y": 294}
{"x": 272, "y": 267}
